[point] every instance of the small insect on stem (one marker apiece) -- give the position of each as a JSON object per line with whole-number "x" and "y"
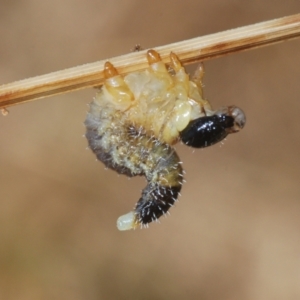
{"x": 137, "y": 48}
{"x": 135, "y": 120}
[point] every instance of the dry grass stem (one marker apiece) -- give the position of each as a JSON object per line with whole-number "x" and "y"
{"x": 189, "y": 51}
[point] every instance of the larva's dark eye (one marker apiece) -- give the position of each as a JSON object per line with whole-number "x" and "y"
{"x": 209, "y": 130}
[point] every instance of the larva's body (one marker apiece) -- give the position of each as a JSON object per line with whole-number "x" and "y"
{"x": 134, "y": 121}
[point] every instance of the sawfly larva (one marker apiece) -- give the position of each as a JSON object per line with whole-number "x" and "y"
{"x": 134, "y": 121}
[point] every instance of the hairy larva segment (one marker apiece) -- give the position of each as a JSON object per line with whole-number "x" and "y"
{"x": 156, "y": 200}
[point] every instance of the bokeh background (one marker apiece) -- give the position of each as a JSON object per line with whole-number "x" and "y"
{"x": 234, "y": 234}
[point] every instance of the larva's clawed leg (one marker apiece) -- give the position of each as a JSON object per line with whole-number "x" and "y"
{"x": 198, "y": 77}
{"x": 181, "y": 77}
{"x": 158, "y": 67}
{"x": 199, "y": 74}
{"x": 175, "y": 62}
{"x": 209, "y": 130}
{"x": 116, "y": 86}
{"x": 109, "y": 70}
{"x": 153, "y": 57}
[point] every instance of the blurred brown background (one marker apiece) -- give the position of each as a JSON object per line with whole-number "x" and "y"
{"x": 235, "y": 232}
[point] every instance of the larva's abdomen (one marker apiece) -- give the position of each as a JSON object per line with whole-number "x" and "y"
{"x": 132, "y": 152}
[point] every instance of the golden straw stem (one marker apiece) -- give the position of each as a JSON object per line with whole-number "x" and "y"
{"x": 189, "y": 51}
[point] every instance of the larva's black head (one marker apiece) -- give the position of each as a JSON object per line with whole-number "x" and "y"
{"x": 209, "y": 130}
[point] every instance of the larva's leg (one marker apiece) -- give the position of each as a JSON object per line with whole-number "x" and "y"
{"x": 116, "y": 86}
{"x": 158, "y": 67}
{"x": 153, "y": 57}
{"x": 198, "y": 77}
{"x": 175, "y": 62}
{"x": 198, "y": 85}
{"x": 181, "y": 77}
